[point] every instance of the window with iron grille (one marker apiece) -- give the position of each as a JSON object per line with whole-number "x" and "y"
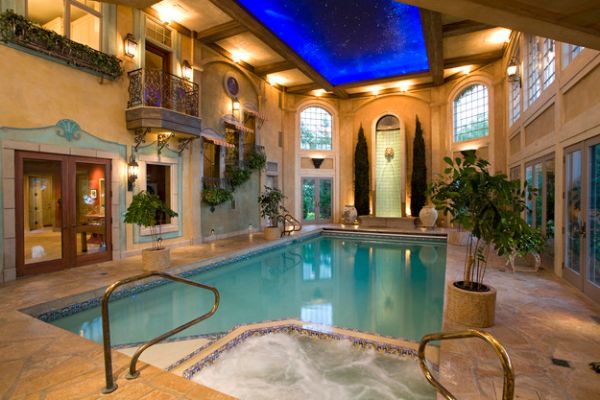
{"x": 315, "y": 129}
{"x": 471, "y": 113}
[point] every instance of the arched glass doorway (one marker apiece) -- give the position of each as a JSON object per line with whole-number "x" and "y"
{"x": 389, "y": 158}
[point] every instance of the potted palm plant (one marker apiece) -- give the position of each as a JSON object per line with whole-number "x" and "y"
{"x": 491, "y": 208}
{"x": 147, "y": 210}
{"x": 270, "y": 207}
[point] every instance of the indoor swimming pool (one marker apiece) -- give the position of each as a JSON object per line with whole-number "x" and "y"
{"x": 391, "y": 286}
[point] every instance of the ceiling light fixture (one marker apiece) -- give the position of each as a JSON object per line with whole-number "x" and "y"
{"x": 319, "y": 92}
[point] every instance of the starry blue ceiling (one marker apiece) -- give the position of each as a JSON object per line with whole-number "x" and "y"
{"x": 348, "y": 41}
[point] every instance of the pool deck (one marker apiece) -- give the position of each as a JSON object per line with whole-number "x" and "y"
{"x": 538, "y": 317}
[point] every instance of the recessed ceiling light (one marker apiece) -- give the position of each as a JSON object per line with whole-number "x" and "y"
{"x": 319, "y": 92}
{"x": 499, "y": 36}
{"x": 276, "y": 80}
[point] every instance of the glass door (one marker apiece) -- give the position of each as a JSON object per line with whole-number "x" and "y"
{"x": 573, "y": 216}
{"x": 317, "y": 200}
{"x": 40, "y": 212}
{"x": 582, "y": 217}
{"x": 62, "y": 212}
{"x": 90, "y": 212}
{"x": 539, "y": 174}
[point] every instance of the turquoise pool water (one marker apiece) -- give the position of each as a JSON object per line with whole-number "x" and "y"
{"x": 390, "y": 287}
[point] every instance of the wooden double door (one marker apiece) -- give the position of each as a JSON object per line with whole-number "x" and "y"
{"x": 62, "y": 211}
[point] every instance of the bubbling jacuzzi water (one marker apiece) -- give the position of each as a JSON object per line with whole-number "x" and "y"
{"x": 282, "y": 366}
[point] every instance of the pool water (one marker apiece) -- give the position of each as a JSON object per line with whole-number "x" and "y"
{"x": 282, "y": 366}
{"x": 389, "y": 287}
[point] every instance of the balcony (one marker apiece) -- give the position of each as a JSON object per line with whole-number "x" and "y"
{"x": 164, "y": 101}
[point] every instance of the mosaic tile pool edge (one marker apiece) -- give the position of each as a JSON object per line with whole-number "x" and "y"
{"x": 362, "y": 343}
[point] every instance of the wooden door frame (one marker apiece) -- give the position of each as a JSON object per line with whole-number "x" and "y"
{"x": 44, "y": 266}
{"x": 69, "y": 257}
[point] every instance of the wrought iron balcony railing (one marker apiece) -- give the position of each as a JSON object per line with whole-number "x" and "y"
{"x": 155, "y": 88}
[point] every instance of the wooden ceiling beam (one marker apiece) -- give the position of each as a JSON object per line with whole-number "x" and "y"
{"x": 221, "y": 51}
{"x": 413, "y": 88}
{"x": 279, "y": 66}
{"x": 480, "y": 59}
{"x": 541, "y": 19}
{"x": 431, "y": 23}
{"x": 387, "y": 79}
{"x": 220, "y": 32}
{"x": 463, "y": 27}
{"x": 239, "y": 13}
{"x": 304, "y": 88}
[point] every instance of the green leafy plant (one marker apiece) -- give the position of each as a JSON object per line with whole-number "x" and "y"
{"x": 361, "y": 174}
{"x": 237, "y": 175}
{"x": 216, "y": 196}
{"x": 148, "y": 210}
{"x": 270, "y": 205}
{"x": 418, "y": 182}
{"x": 256, "y": 160}
{"x": 491, "y": 207}
{"x": 17, "y": 29}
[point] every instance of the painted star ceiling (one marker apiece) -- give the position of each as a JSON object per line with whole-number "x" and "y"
{"x": 348, "y": 41}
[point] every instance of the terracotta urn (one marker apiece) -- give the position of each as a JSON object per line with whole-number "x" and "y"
{"x": 156, "y": 259}
{"x": 428, "y": 215}
{"x": 350, "y": 214}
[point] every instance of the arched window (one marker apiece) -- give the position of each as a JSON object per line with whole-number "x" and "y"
{"x": 471, "y": 113}
{"x": 388, "y": 123}
{"x": 315, "y": 129}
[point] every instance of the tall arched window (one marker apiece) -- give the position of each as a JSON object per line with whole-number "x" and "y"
{"x": 471, "y": 116}
{"x": 315, "y": 129}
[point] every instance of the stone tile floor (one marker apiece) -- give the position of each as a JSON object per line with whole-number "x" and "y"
{"x": 538, "y": 317}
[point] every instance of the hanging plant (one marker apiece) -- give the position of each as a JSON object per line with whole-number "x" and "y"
{"x": 237, "y": 175}
{"x": 215, "y": 196}
{"x": 256, "y": 160}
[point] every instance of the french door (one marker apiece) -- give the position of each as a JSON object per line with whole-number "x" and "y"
{"x": 539, "y": 175}
{"x": 62, "y": 212}
{"x": 581, "y": 264}
{"x": 317, "y": 200}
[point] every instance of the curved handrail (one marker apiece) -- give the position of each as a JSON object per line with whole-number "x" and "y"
{"x": 289, "y": 218}
{"x": 133, "y": 373}
{"x": 509, "y": 377}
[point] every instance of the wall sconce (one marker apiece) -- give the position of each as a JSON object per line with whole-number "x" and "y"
{"x": 317, "y": 162}
{"x": 512, "y": 71}
{"x": 235, "y": 105}
{"x": 187, "y": 71}
{"x": 132, "y": 172}
{"x": 130, "y": 45}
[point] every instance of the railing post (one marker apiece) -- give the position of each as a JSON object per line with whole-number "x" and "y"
{"x": 111, "y": 386}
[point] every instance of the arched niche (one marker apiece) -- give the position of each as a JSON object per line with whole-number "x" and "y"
{"x": 390, "y": 166}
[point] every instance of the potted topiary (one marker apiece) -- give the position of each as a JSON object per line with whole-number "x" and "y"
{"x": 147, "y": 210}
{"x": 491, "y": 207}
{"x": 270, "y": 207}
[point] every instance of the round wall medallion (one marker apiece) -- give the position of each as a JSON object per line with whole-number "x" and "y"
{"x": 232, "y": 86}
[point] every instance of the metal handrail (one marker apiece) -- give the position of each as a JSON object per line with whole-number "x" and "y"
{"x": 111, "y": 386}
{"x": 509, "y": 376}
{"x": 296, "y": 225}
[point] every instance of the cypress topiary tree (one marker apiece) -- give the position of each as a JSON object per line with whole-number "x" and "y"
{"x": 361, "y": 174}
{"x": 418, "y": 182}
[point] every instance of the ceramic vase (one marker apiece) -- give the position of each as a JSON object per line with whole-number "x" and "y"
{"x": 428, "y": 215}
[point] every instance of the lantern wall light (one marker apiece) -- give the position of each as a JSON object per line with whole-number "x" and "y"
{"x": 512, "y": 71}
{"x": 187, "y": 71}
{"x": 132, "y": 172}
{"x": 130, "y": 45}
